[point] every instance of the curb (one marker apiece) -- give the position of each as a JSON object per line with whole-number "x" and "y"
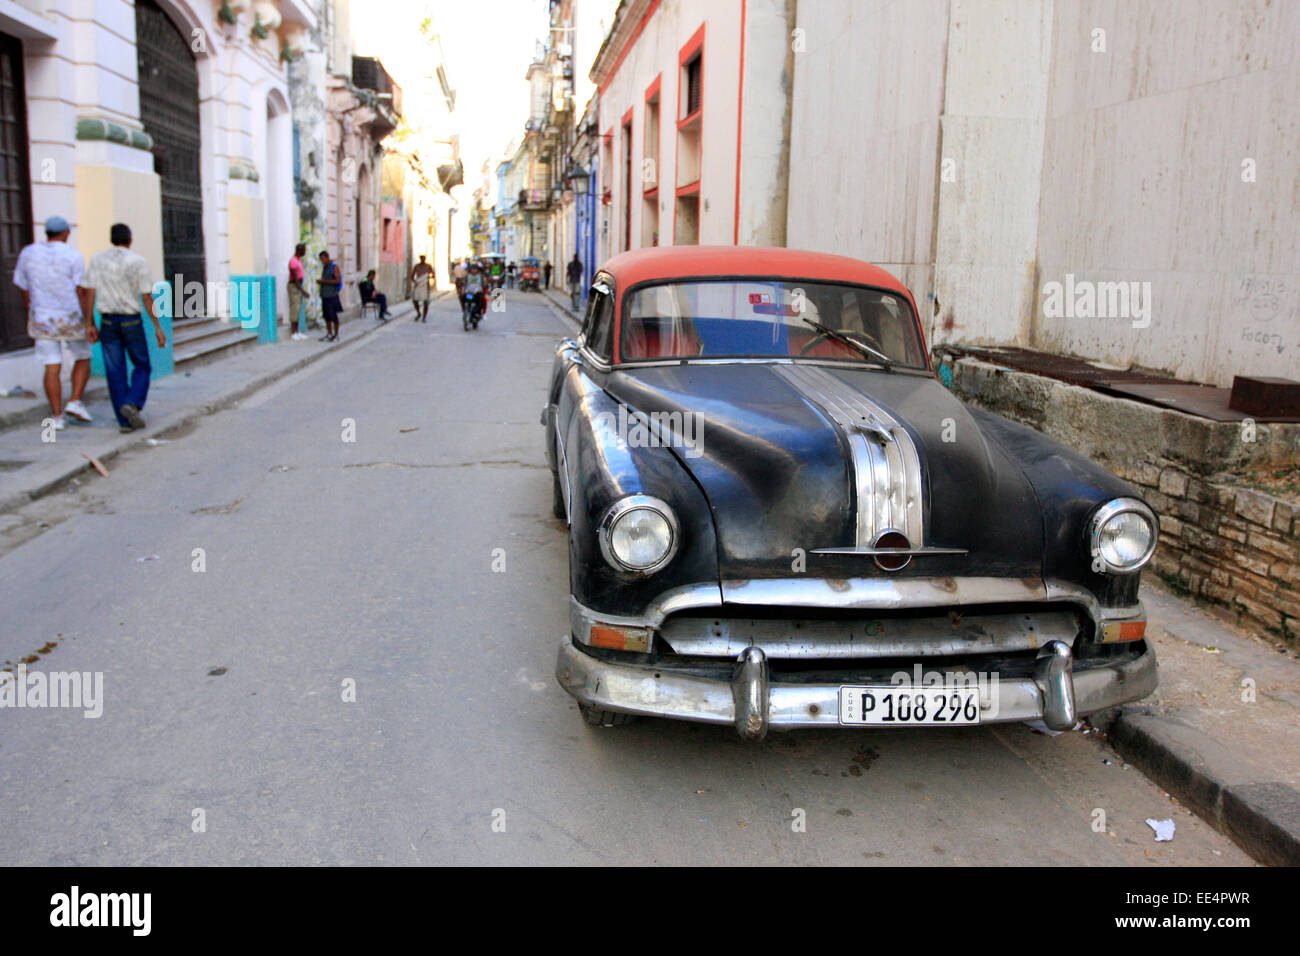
{"x": 124, "y": 443}
{"x": 1263, "y": 818}
{"x": 561, "y": 308}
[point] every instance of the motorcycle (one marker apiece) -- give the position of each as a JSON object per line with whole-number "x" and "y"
{"x": 471, "y": 311}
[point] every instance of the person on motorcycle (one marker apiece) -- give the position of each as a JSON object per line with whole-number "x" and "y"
{"x": 475, "y": 290}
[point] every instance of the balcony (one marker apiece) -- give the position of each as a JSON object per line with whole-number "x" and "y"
{"x": 532, "y": 200}
{"x": 369, "y": 74}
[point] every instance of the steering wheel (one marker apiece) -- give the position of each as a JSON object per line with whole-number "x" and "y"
{"x": 851, "y": 333}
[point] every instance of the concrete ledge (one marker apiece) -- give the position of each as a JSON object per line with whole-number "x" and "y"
{"x": 1108, "y": 428}
{"x": 1262, "y": 817}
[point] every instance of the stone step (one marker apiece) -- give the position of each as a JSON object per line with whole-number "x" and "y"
{"x": 209, "y": 347}
{"x": 187, "y": 331}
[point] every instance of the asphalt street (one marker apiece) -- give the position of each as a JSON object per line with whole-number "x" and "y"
{"x": 341, "y": 652}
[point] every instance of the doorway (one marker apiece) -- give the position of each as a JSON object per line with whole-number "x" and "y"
{"x": 15, "y": 192}
{"x": 169, "y": 110}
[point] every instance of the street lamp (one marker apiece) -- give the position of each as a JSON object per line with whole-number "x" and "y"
{"x": 579, "y": 180}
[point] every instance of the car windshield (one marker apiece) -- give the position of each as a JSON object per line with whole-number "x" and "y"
{"x": 754, "y": 318}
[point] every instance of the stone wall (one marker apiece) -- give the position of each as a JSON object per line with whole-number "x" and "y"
{"x": 1226, "y": 544}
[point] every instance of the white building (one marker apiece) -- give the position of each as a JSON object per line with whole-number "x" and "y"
{"x": 694, "y": 118}
{"x": 157, "y": 113}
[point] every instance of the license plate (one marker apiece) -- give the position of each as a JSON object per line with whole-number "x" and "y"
{"x": 892, "y": 705}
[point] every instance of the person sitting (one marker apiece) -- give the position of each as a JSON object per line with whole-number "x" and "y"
{"x": 368, "y": 295}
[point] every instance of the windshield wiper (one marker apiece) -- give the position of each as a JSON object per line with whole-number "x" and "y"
{"x": 862, "y": 348}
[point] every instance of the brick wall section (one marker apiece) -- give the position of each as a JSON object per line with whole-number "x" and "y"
{"x": 1230, "y": 546}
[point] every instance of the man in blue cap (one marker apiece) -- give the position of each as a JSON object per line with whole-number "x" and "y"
{"x": 51, "y": 275}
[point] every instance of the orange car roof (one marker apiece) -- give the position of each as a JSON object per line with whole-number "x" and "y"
{"x": 680, "y": 262}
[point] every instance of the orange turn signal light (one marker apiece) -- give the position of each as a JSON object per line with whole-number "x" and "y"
{"x": 621, "y": 638}
{"x": 1118, "y": 631}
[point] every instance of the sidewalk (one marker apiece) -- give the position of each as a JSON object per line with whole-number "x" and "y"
{"x": 1222, "y": 731}
{"x": 560, "y": 301}
{"x": 31, "y": 468}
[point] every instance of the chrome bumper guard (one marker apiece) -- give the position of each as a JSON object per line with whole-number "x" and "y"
{"x": 1056, "y": 694}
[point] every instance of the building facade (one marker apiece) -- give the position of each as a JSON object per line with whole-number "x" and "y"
{"x": 694, "y": 122}
{"x": 169, "y": 115}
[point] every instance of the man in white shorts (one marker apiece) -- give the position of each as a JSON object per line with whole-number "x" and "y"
{"x": 420, "y": 278}
{"x": 50, "y": 275}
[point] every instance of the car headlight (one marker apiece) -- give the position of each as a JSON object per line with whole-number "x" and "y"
{"x": 639, "y": 534}
{"x": 1121, "y": 536}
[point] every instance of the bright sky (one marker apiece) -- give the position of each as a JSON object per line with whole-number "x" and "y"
{"x": 488, "y": 45}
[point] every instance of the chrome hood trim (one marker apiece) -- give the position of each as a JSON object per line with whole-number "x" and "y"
{"x": 886, "y": 466}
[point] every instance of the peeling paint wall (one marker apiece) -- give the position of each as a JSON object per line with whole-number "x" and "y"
{"x": 1143, "y": 181}
{"x": 864, "y": 141}
{"x": 982, "y": 151}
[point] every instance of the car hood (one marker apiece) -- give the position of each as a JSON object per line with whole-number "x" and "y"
{"x": 776, "y": 461}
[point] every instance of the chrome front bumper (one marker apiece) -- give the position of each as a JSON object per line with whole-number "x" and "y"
{"x": 753, "y": 702}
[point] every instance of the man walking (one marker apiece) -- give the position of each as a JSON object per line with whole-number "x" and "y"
{"x": 50, "y": 275}
{"x": 296, "y": 292}
{"x": 420, "y": 278}
{"x": 574, "y": 274}
{"x": 547, "y": 270}
{"x": 117, "y": 280}
{"x": 331, "y": 280}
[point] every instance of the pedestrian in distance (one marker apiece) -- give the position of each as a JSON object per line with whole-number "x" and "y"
{"x": 546, "y": 269}
{"x": 420, "y": 279}
{"x": 510, "y": 276}
{"x": 368, "y": 294}
{"x": 297, "y": 294}
{"x": 330, "y": 281}
{"x": 574, "y": 275}
{"x": 51, "y": 276}
{"x": 117, "y": 281}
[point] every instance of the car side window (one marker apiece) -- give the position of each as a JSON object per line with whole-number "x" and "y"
{"x": 584, "y": 334}
{"x": 600, "y": 322}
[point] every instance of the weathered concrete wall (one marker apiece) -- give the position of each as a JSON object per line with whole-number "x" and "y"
{"x": 765, "y": 127}
{"x": 1143, "y": 181}
{"x": 991, "y": 157}
{"x": 983, "y": 151}
{"x": 864, "y": 142}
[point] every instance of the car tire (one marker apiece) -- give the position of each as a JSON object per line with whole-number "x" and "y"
{"x": 557, "y": 498}
{"x": 604, "y": 718}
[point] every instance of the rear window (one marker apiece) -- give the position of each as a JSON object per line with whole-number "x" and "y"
{"x": 754, "y": 318}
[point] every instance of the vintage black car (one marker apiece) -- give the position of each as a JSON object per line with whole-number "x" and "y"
{"x": 779, "y": 518}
